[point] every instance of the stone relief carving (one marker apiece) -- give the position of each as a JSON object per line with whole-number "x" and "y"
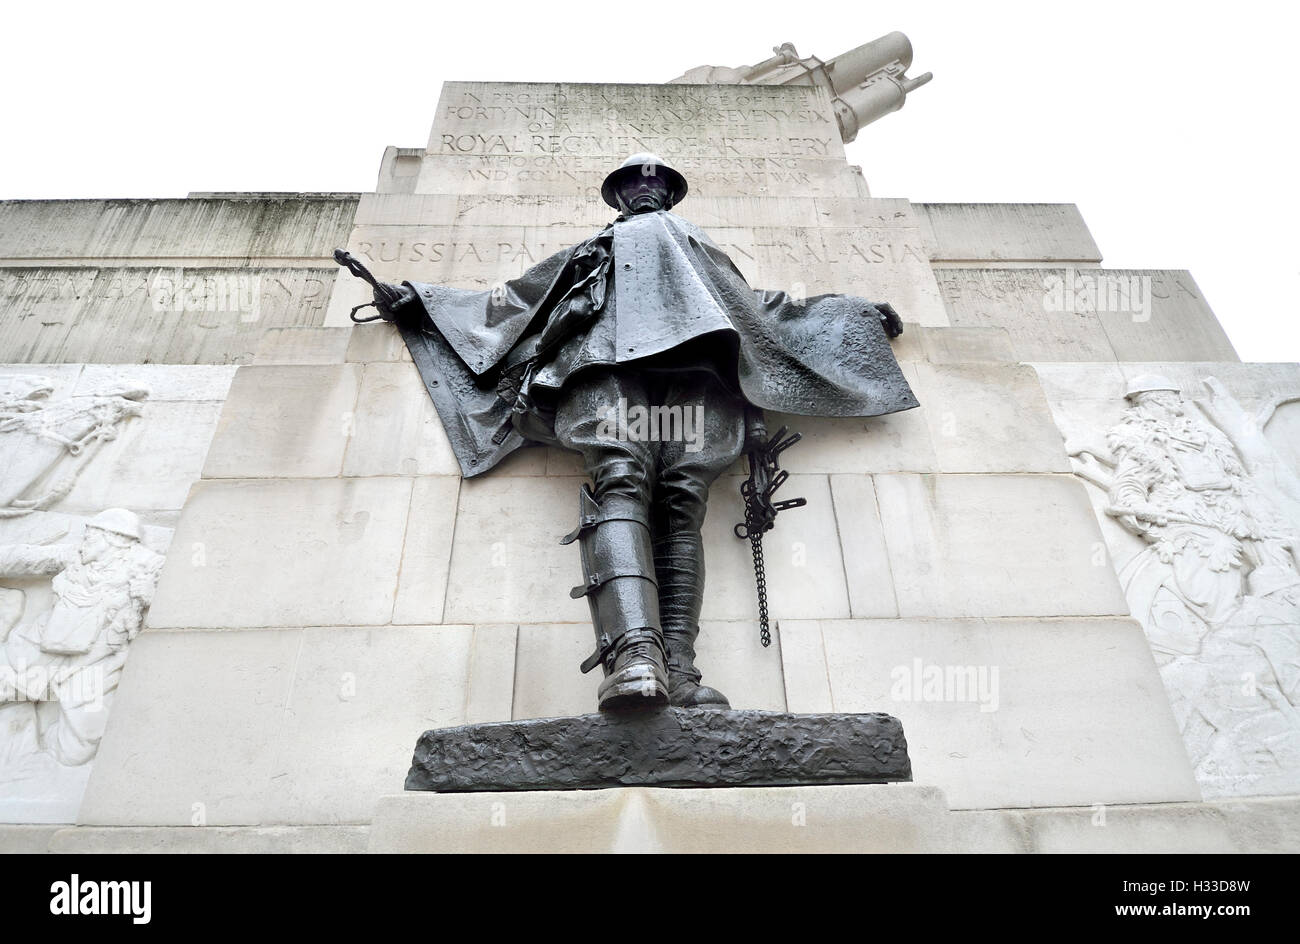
{"x": 1215, "y": 581}
{"x": 47, "y": 443}
{"x": 71, "y": 654}
{"x": 73, "y": 591}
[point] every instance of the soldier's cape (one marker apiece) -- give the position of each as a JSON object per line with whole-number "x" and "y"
{"x": 662, "y": 282}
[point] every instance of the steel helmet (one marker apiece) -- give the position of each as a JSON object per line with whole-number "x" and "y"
{"x": 1149, "y": 383}
{"x": 117, "y": 521}
{"x": 648, "y": 165}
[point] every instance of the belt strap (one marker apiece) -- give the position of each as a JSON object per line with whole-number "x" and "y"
{"x": 605, "y": 645}
{"x": 590, "y": 520}
{"x": 600, "y": 578}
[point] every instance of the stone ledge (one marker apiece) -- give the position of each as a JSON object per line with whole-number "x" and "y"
{"x": 225, "y": 840}
{"x": 880, "y": 818}
{"x": 846, "y": 818}
{"x": 674, "y": 747}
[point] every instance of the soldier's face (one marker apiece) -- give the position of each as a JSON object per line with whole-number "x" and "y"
{"x": 1164, "y": 399}
{"x": 93, "y": 545}
{"x": 643, "y": 194}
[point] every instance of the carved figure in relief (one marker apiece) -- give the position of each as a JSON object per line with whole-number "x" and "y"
{"x": 72, "y": 654}
{"x": 45, "y": 444}
{"x": 1217, "y": 586}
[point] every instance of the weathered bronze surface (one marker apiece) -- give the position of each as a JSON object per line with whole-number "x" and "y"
{"x": 672, "y": 748}
{"x": 646, "y": 315}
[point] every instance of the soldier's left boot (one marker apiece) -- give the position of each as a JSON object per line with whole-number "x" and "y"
{"x": 679, "y": 565}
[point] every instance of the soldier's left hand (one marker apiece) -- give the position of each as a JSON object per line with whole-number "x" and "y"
{"x": 892, "y": 323}
{"x": 389, "y": 297}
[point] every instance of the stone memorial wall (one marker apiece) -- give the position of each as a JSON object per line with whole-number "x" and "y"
{"x": 332, "y": 587}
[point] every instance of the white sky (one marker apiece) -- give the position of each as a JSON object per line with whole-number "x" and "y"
{"x": 1172, "y": 126}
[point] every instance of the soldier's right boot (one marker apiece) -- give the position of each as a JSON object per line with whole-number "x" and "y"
{"x": 622, "y": 592}
{"x": 679, "y": 562}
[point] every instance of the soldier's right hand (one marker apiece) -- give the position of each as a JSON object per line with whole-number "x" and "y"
{"x": 389, "y": 298}
{"x": 1130, "y": 524}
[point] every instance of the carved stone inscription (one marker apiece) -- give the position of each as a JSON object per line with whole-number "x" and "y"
{"x": 585, "y": 120}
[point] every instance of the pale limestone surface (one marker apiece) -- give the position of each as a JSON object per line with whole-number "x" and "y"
{"x": 1037, "y": 713}
{"x": 1178, "y": 326}
{"x": 285, "y": 553}
{"x": 288, "y": 230}
{"x": 1172, "y": 828}
{"x": 1006, "y": 232}
{"x": 396, "y": 428}
{"x": 117, "y": 315}
{"x": 888, "y": 818}
{"x": 988, "y": 545}
{"x": 1263, "y": 824}
{"x": 490, "y": 692}
{"x": 862, "y": 537}
{"x": 187, "y": 383}
{"x": 547, "y": 681}
{"x": 290, "y": 726}
{"x": 988, "y": 418}
{"x": 426, "y": 550}
{"x": 1014, "y": 299}
{"x": 25, "y": 840}
{"x": 896, "y": 442}
{"x": 1253, "y": 382}
{"x": 734, "y": 661}
{"x": 507, "y": 565}
{"x": 949, "y": 345}
{"x": 303, "y": 345}
{"x": 210, "y": 840}
{"x": 366, "y": 346}
{"x": 803, "y": 665}
{"x": 1249, "y": 826}
{"x": 20, "y": 379}
{"x": 539, "y": 211}
{"x": 560, "y": 175}
{"x": 1181, "y": 326}
{"x": 286, "y": 421}
{"x": 1246, "y": 826}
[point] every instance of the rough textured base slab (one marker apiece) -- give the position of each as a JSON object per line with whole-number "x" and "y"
{"x": 674, "y": 747}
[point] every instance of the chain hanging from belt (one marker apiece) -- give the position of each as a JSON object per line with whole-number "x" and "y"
{"x": 765, "y": 477}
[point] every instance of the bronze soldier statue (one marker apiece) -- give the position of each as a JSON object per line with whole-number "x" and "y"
{"x": 648, "y": 313}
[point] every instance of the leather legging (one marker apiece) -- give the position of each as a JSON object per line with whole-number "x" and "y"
{"x": 668, "y": 474}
